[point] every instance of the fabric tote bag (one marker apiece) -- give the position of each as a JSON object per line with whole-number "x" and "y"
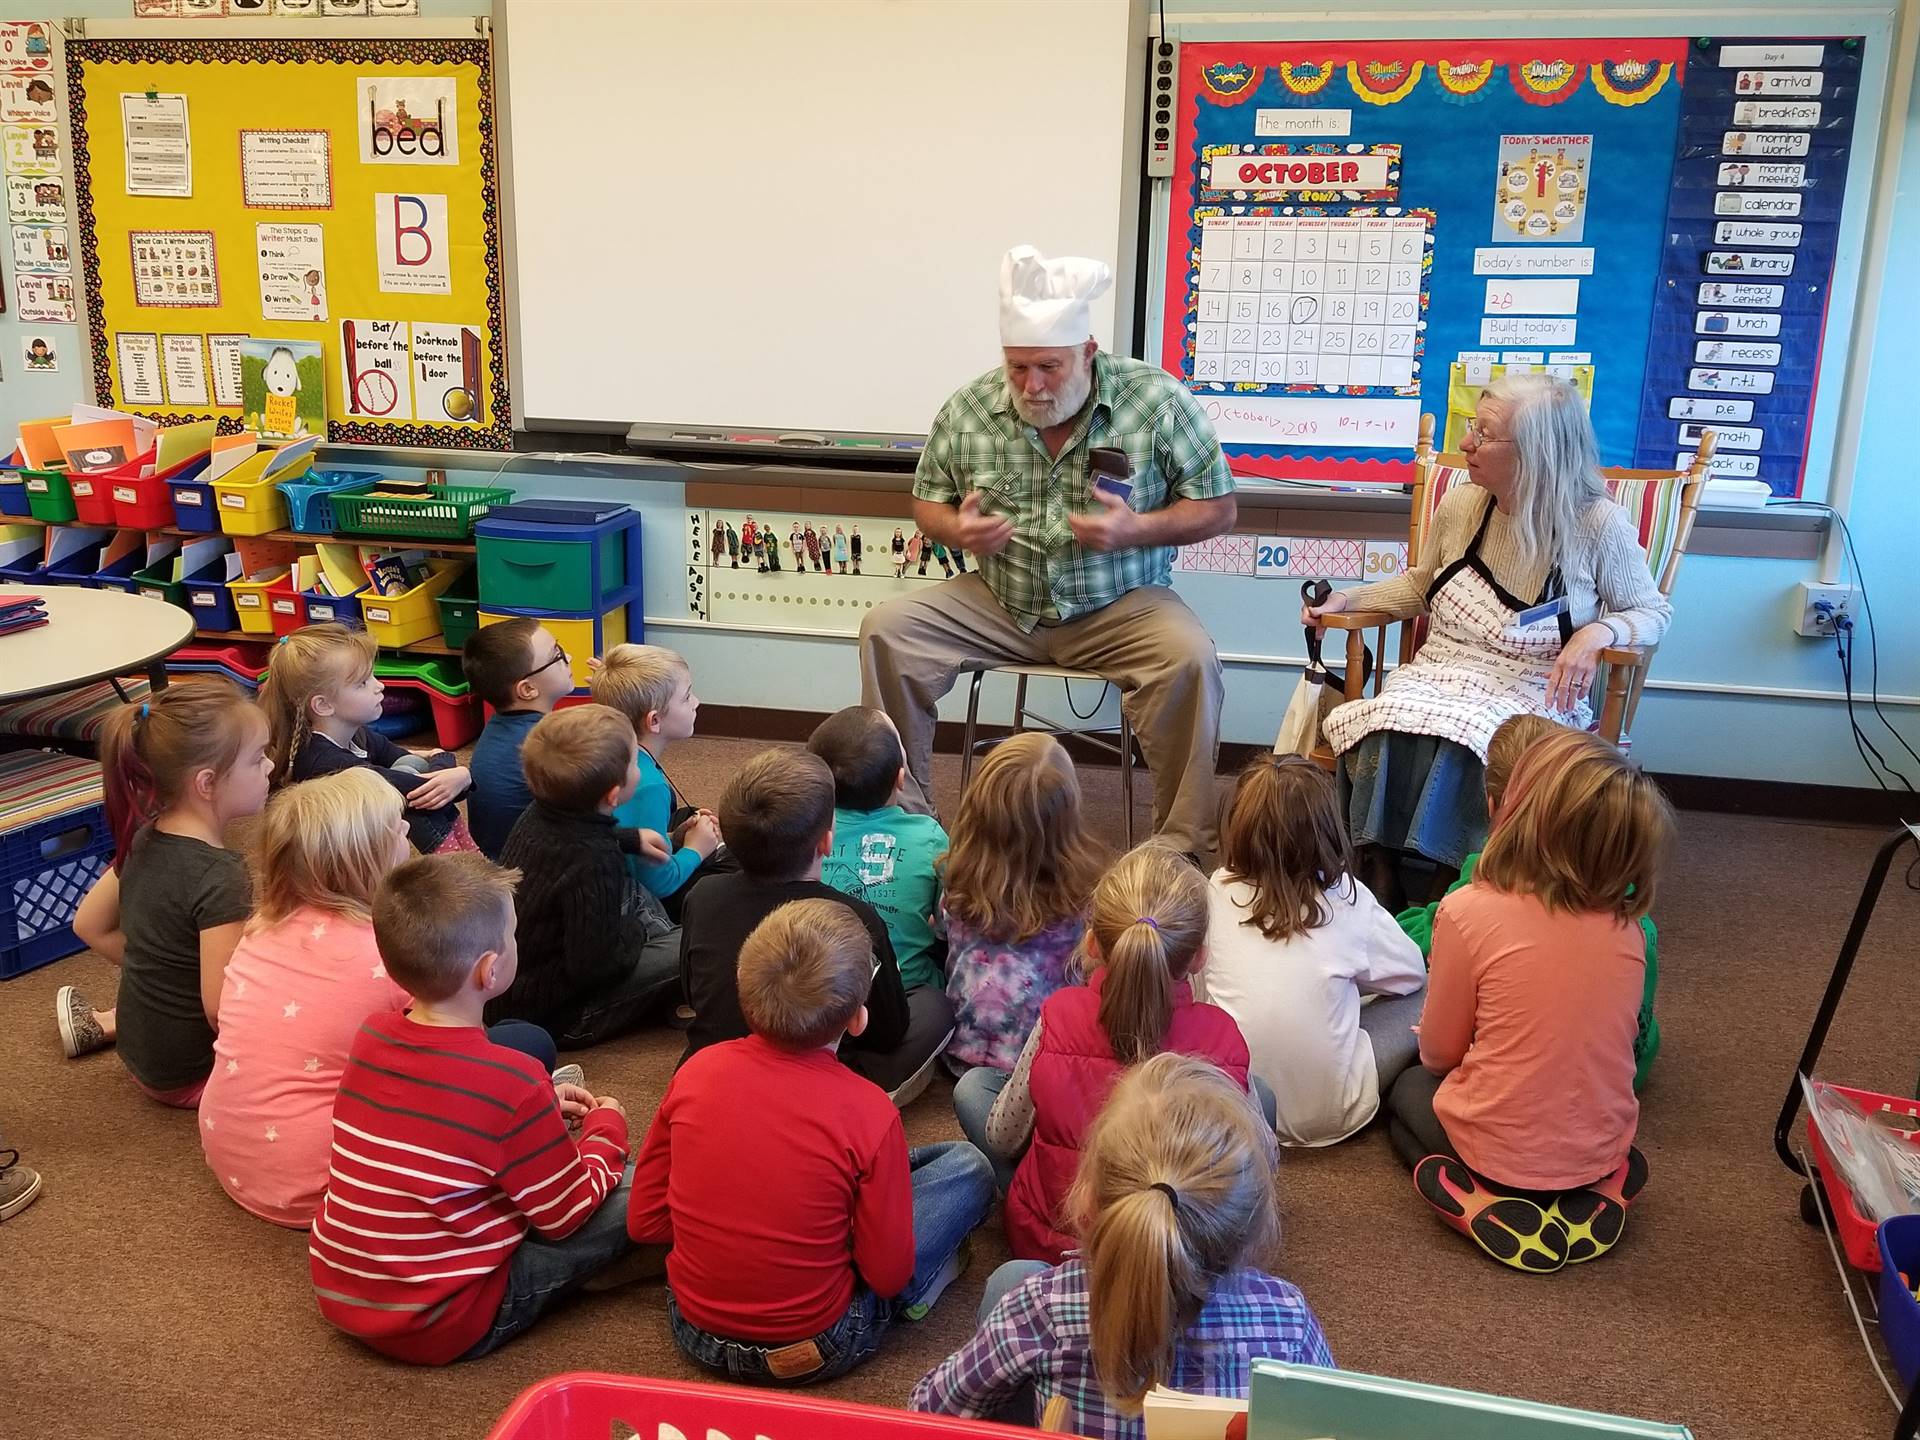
{"x": 1319, "y": 690}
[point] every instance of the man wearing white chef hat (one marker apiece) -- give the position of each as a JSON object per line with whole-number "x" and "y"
{"x": 1072, "y": 572}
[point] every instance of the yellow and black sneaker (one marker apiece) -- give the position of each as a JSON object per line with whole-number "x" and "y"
{"x": 1516, "y": 1231}
{"x": 1595, "y": 1217}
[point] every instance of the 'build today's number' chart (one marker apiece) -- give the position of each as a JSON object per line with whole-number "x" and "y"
{"x": 1362, "y": 232}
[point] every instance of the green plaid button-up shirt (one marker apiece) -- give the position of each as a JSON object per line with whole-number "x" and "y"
{"x": 979, "y": 442}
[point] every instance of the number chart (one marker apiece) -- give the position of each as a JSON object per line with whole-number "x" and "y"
{"x": 1305, "y": 301}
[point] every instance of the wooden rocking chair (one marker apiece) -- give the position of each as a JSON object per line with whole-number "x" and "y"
{"x": 1662, "y": 505}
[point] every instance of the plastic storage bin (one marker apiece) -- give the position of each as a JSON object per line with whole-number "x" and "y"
{"x": 156, "y": 581}
{"x": 13, "y": 492}
{"x": 1897, "y": 1245}
{"x": 21, "y": 554}
{"x": 581, "y": 1405}
{"x": 209, "y": 598}
{"x": 50, "y": 496}
{"x": 80, "y": 565}
{"x": 540, "y": 564}
{"x": 194, "y": 507}
{"x": 145, "y": 502}
{"x": 320, "y": 607}
{"x": 582, "y": 634}
{"x": 310, "y": 498}
{"x": 251, "y": 606}
{"x": 1854, "y": 1229}
{"x": 448, "y": 514}
{"x": 459, "y": 612}
{"x": 413, "y": 616}
{"x": 55, "y": 845}
{"x": 250, "y": 506}
{"x": 92, "y": 497}
{"x": 456, "y": 709}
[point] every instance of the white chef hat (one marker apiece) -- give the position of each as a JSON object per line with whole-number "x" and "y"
{"x": 1048, "y": 302}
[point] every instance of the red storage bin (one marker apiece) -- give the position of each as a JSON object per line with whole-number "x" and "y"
{"x": 583, "y": 1405}
{"x": 92, "y": 498}
{"x": 145, "y": 502}
{"x": 286, "y": 606}
{"x": 1855, "y": 1231}
{"x": 456, "y": 718}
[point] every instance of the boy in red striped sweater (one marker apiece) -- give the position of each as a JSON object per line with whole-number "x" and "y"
{"x": 459, "y": 1208}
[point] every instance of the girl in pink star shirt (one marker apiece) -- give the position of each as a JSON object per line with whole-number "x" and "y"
{"x": 302, "y": 978}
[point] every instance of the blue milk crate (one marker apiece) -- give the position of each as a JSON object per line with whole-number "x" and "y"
{"x": 49, "y": 862}
{"x": 310, "y": 498}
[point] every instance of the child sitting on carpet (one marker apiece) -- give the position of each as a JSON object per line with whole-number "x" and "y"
{"x": 1146, "y": 930}
{"x": 320, "y": 695}
{"x": 1174, "y": 1206}
{"x": 1519, "y": 1120}
{"x": 458, "y": 1208}
{"x": 301, "y": 980}
{"x": 1017, "y": 880}
{"x": 519, "y": 669}
{"x": 1296, "y": 942}
{"x": 778, "y": 816}
{"x": 882, "y": 853}
{"x": 802, "y": 1227}
{"x": 179, "y": 767}
{"x": 1509, "y": 743}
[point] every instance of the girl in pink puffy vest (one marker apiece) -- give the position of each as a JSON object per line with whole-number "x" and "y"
{"x": 1146, "y": 930}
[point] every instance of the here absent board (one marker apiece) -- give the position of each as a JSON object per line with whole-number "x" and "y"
{"x": 1753, "y": 225}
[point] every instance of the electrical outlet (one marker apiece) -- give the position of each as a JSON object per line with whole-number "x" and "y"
{"x": 1819, "y": 607}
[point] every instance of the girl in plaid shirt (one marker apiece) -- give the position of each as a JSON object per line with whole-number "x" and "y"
{"x": 1175, "y": 1189}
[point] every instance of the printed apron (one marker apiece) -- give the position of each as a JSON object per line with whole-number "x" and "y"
{"x": 1479, "y": 667}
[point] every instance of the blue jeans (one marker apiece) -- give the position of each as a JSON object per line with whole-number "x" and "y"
{"x": 973, "y": 1097}
{"x": 952, "y": 1192}
{"x": 528, "y": 1038}
{"x": 542, "y": 1272}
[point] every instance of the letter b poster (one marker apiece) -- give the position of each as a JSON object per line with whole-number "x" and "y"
{"x": 410, "y": 237}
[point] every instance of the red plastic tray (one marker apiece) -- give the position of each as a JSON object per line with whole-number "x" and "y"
{"x": 582, "y": 1406}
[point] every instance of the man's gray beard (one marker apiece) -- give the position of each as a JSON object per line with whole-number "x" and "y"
{"x": 1062, "y": 408}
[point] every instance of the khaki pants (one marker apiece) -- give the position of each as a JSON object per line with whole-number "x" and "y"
{"x": 1147, "y": 642}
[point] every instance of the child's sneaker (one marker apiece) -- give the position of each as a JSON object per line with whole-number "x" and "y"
{"x": 1516, "y": 1231}
{"x": 1595, "y": 1216}
{"x": 19, "y": 1186}
{"x": 955, "y": 1267}
{"x": 571, "y": 1075}
{"x": 80, "y": 1032}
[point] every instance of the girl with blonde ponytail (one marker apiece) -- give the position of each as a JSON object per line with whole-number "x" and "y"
{"x": 1146, "y": 929}
{"x": 1174, "y": 1207}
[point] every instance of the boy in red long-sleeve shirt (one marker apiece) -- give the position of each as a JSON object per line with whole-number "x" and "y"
{"x": 801, "y": 1225}
{"x": 459, "y": 1208}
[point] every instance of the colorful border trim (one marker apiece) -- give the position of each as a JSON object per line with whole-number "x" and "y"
{"x": 80, "y": 53}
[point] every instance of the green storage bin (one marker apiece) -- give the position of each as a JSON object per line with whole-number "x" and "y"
{"x": 540, "y": 564}
{"x": 448, "y": 513}
{"x": 460, "y": 612}
{"x": 156, "y": 584}
{"x": 50, "y": 496}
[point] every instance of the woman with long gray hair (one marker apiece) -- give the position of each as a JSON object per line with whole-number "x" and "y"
{"x": 1525, "y": 576}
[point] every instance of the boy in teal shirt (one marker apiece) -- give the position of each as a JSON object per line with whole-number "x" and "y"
{"x": 653, "y": 688}
{"x": 1509, "y": 743}
{"x": 882, "y": 853}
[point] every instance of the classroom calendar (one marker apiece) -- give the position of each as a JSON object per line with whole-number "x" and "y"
{"x": 1308, "y": 300}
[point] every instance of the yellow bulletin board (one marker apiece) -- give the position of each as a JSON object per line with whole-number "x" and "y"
{"x": 342, "y": 194}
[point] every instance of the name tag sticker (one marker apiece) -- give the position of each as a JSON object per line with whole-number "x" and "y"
{"x": 1546, "y": 610}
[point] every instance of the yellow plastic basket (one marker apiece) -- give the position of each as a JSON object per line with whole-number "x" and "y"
{"x": 250, "y": 603}
{"x": 247, "y": 504}
{"x": 413, "y": 615}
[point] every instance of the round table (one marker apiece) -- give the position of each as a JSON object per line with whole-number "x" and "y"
{"x": 89, "y": 635}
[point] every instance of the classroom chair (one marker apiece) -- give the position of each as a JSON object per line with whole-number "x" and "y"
{"x": 1662, "y": 505}
{"x": 1120, "y": 745}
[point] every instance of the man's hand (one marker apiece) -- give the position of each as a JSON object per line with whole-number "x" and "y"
{"x": 1113, "y": 526}
{"x": 976, "y": 533}
{"x": 441, "y": 787}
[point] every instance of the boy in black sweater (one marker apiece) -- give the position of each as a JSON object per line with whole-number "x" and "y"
{"x": 597, "y": 953}
{"x": 782, "y": 802}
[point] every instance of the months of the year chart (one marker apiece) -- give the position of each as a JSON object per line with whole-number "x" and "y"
{"x": 1309, "y": 300}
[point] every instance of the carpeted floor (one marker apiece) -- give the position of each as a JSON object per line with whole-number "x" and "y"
{"x": 136, "y": 1301}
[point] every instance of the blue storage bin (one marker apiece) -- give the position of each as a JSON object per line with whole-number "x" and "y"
{"x": 322, "y": 607}
{"x": 309, "y": 499}
{"x": 48, "y": 861}
{"x": 570, "y": 567}
{"x": 1899, "y": 1242}
{"x": 209, "y": 598}
{"x": 194, "y": 507}
{"x": 24, "y": 568}
{"x": 79, "y": 567}
{"x": 13, "y": 493}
